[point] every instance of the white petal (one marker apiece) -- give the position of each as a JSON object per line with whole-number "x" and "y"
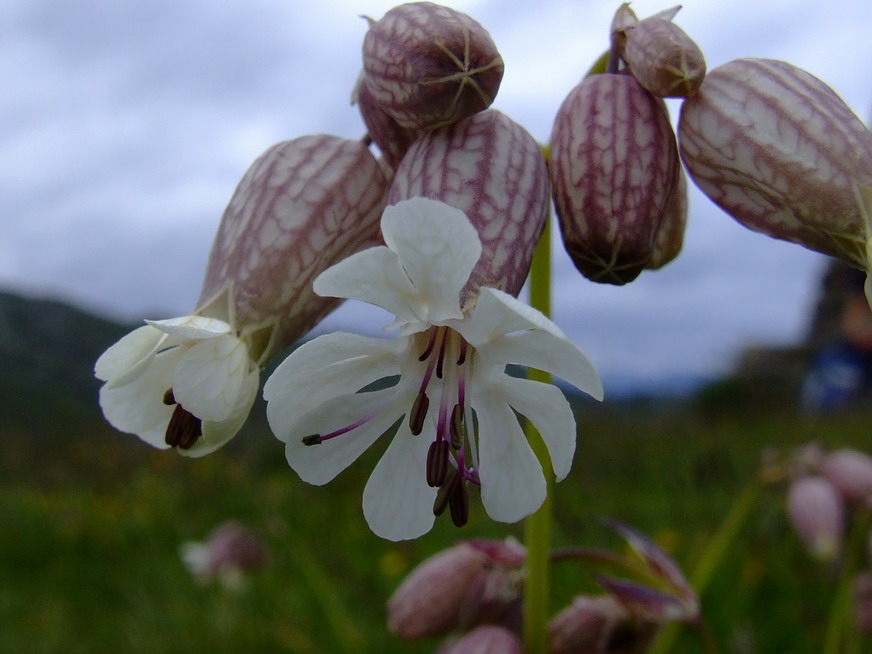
{"x": 318, "y": 464}
{"x": 127, "y": 358}
{"x": 497, "y": 313}
{"x": 397, "y": 502}
{"x": 191, "y": 328}
{"x": 137, "y": 407}
{"x": 512, "y": 483}
{"x": 544, "y": 351}
{"x": 318, "y": 355}
{"x": 209, "y": 376}
{"x": 217, "y": 434}
{"x": 545, "y": 406}
{"x": 376, "y": 277}
{"x": 438, "y": 247}
{"x": 297, "y": 386}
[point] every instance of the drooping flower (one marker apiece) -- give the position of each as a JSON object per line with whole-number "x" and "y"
{"x": 190, "y": 382}
{"x": 782, "y": 153}
{"x": 453, "y": 407}
{"x": 614, "y": 170}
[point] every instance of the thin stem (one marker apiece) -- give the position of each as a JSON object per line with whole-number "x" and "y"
{"x": 537, "y": 527}
{"x": 839, "y": 623}
{"x": 712, "y": 557}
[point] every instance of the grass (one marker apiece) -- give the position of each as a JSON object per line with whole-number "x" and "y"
{"x": 92, "y": 524}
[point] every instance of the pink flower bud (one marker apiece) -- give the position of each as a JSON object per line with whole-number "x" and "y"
{"x": 781, "y": 153}
{"x": 663, "y": 58}
{"x": 490, "y": 168}
{"x": 459, "y": 587}
{"x": 486, "y": 639}
{"x": 815, "y": 510}
{"x": 614, "y": 164}
{"x": 391, "y": 138}
{"x": 304, "y": 205}
{"x": 230, "y": 549}
{"x": 597, "y": 625}
{"x": 427, "y": 65}
{"x": 850, "y": 472}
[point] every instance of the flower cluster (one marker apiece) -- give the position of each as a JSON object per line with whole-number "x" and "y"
{"x": 470, "y": 595}
{"x": 440, "y": 231}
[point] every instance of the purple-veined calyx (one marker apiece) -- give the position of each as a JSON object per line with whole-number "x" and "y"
{"x": 426, "y": 65}
{"x": 781, "y": 152}
{"x": 614, "y": 165}
{"x": 489, "y": 167}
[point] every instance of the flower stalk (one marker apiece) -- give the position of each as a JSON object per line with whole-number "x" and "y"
{"x": 537, "y": 527}
{"x": 713, "y": 556}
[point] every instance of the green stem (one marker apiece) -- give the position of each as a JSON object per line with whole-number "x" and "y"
{"x": 713, "y": 556}
{"x": 839, "y": 623}
{"x": 537, "y": 527}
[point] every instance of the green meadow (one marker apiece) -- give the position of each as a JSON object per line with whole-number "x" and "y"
{"x": 91, "y": 522}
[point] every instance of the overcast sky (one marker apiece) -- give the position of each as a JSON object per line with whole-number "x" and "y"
{"x": 126, "y": 125}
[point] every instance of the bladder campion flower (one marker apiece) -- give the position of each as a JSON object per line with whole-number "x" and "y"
{"x": 190, "y": 382}
{"x": 449, "y": 355}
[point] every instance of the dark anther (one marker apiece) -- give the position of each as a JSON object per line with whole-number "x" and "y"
{"x": 184, "y": 429}
{"x": 429, "y": 349}
{"x": 437, "y": 463}
{"x": 445, "y": 492}
{"x": 458, "y": 502}
{"x": 169, "y": 399}
{"x": 314, "y": 439}
{"x": 418, "y": 413}
{"x": 462, "y": 358}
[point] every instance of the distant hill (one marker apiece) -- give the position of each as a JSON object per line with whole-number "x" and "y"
{"x": 47, "y": 355}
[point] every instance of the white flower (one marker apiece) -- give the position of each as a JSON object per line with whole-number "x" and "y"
{"x": 186, "y": 382}
{"x": 455, "y": 399}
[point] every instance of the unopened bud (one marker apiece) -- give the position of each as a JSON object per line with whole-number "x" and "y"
{"x": 427, "y": 65}
{"x": 597, "y": 624}
{"x": 780, "y": 152}
{"x": 455, "y": 588}
{"x": 663, "y": 58}
{"x": 490, "y": 168}
{"x": 486, "y": 639}
{"x": 817, "y": 514}
{"x": 391, "y": 138}
{"x": 850, "y": 472}
{"x": 614, "y": 164}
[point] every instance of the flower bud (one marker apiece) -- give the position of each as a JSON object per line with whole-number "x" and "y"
{"x": 490, "y": 168}
{"x": 781, "y": 153}
{"x": 485, "y": 639}
{"x": 391, "y": 138}
{"x": 230, "y": 550}
{"x": 614, "y": 164}
{"x": 427, "y": 65}
{"x": 459, "y": 587}
{"x": 302, "y": 206}
{"x": 815, "y": 510}
{"x": 850, "y": 472}
{"x": 662, "y": 58}
{"x": 597, "y": 625}
{"x": 670, "y": 236}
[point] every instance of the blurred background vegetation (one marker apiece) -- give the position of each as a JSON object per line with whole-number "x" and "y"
{"x": 91, "y": 520}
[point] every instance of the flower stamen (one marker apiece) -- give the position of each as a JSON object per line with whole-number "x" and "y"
{"x": 183, "y": 429}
